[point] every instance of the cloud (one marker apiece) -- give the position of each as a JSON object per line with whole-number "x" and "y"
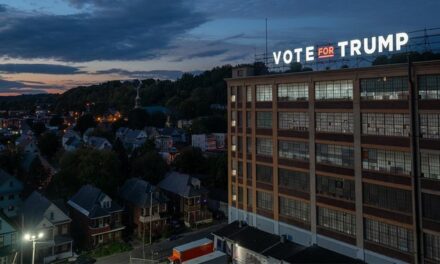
{"x": 39, "y": 69}
{"x": 155, "y": 74}
{"x": 17, "y": 87}
{"x": 114, "y": 30}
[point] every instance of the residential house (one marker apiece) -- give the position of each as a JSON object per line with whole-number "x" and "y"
{"x": 71, "y": 140}
{"x": 164, "y": 143}
{"x": 188, "y": 197}
{"x": 27, "y": 143}
{"x": 10, "y": 191}
{"x": 99, "y": 143}
{"x": 9, "y": 250}
{"x": 2, "y": 147}
{"x": 183, "y": 123}
{"x": 41, "y": 215}
{"x": 97, "y": 218}
{"x": 152, "y": 132}
{"x": 140, "y": 198}
{"x": 178, "y": 135}
{"x": 131, "y": 138}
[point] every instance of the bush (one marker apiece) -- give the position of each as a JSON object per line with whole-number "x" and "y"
{"x": 110, "y": 249}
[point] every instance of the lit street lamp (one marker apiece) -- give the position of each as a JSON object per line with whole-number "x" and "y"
{"x": 33, "y": 238}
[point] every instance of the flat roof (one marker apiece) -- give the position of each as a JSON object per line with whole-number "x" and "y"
{"x": 193, "y": 244}
{"x": 204, "y": 258}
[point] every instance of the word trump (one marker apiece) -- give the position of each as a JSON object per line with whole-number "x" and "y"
{"x": 355, "y": 47}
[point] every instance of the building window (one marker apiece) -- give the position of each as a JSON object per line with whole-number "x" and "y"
{"x": 392, "y": 88}
{"x": 234, "y": 192}
{"x": 293, "y": 150}
{"x": 337, "y": 220}
{"x": 240, "y": 169}
{"x": 387, "y": 198}
{"x": 239, "y": 119}
{"x": 293, "y": 180}
{"x": 264, "y": 146}
{"x": 249, "y": 171}
{"x": 264, "y": 119}
{"x": 331, "y": 90}
{"x": 335, "y": 155}
{"x": 430, "y": 206}
{"x": 264, "y": 93}
{"x": 294, "y": 208}
{"x": 429, "y": 86}
{"x": 382, "y": 124}
{"x": 249, "y": 94}
{"x": 335, "y": 187}
{"x": 234, "y": 116}
{"x": 239, "y": 143}
{"x": 432, "y": 246}
{"x": 240, "y": 194}
{"x": 430, "y": 165}
{"x": 430, "y": 126}
{"x": 248, "y": 119}
{"x": 264, "y": 174}
{"x": 249, "y": 197}
{"x": 233, "y": 94}
{"x": 264, "y": 200}
{"x": 396, "y": 162}
{"x": 293, "y": 120}
{"x": 293, "y": 92}
{"x": 239, "y": 94}
{"x": 249, "y": 145}
{"x": 334, "y": 122}
{"x": 389, "y": 235}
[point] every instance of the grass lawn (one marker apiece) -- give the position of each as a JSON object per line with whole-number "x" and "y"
{"x": 113, "y": 248}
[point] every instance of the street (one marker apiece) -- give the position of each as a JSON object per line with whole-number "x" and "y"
{"x": 160, "y": 250}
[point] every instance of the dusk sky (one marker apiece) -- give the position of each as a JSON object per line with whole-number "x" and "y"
{"x": 54, "y": 45}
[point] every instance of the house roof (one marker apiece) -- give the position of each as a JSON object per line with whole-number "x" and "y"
{"x": 97, "y": 141}
{"x": 88, "y": 201}
{"x": 5, "y": 177}
{"x": 182, "y": 184}
{"x": 137, "y": 191}
{"x": 254, "y": 239}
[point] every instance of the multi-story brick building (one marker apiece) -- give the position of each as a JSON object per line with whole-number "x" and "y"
{"x": 347, "y": 159}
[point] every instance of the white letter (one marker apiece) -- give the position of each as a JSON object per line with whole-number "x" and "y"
{"x": 385, "y": 43}
{"x": 287, "y": 57}
{"x": 342, "y": 45}
{"x": 277, "y": 57}
{"x": 373, "y": 45}
{"x": 309, "y": 53}
{"x": 401, "y": 39}
{"x": 298, "y": 54}
{"x": 355, "y": 46}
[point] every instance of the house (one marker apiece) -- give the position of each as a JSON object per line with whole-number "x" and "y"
{"x": 97, "y": 218}
{"x": 99, "y": 143}
{"x": 41, "y": 215}
{"x": 152, "y": 132}
{"x": 2, "y": 147}
{"x": 9, "y": 249}
{"x": 209, "y": 142}
{"x": 10, "y": 190}
{"x": 163, "y": 143}
{"x": 178, "y": 135}
{"x": 27, "y": 143}
{"x": 183, "y": 123}
{"x": 188, "y": 197}
{"x": 131, "y": 138}
{"x": 139, "y": 196}
{"x": 71, "y": 140}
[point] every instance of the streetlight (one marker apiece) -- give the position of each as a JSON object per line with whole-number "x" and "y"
{"x": 33, "y": 238}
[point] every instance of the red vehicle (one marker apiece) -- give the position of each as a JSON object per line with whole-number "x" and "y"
{"x": 191, "y": 250}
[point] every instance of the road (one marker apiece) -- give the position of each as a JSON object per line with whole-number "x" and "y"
{"x": 161, "y": 249}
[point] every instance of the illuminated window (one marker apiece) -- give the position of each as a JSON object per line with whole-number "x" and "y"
{"x": 331, "y": 90}
{"x": 264, "y": 146}
{"x": 387, "y": 197}
{"x": 293, "y": 150}
{"x": 293, "y": 180}
{"x": 337, "y": 221}
{"x": 264, "y": 200}
{"x": 335, "y": 187}
{"x": 334, "y": 122}
{"x": 390, "y": 88}
{"x": 386, "y": 124}
{"x": 429, "y": 86}
{"x": 293, "y": 120}
{"x": 396, "y": 162}
{"x": 264, "y": 93}
{"x": 430, "y": 163}
{"x": 335, "y": 155}
{"x": 293, "y": 92}
{"x": 390, "y": 235}
{"x": 264, "y": 119}
{"x": 294, "y": 208}
{"x": 430, "y": 125}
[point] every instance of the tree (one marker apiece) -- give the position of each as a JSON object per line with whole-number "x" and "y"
{"x": 37, "y": 172}
{"x": 191, "y": 160}
{"x": 138, "y": 119}
{"x": 158, "y": 119}
{"x": 85, "y": 122}
{"x": 48, "y": 144}
{"x": 56, "y": 120}
{"x": 38, "y": 128}
{"x": 150, "y": 166}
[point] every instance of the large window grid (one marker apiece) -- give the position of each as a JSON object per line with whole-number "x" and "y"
{"x": 249, "y": 94}
{"x": 293, "y": 150}
{"x": 293, "y": 92}
{"x": 264, "y": 146}
{"x": 264, "y": 200}
{"x": 264, "y": 119}
{"x": 389, "y": 235}
{"x": 293, "y": 120}
{"x": 293, "y": 180}
{"x": 294, "y": 208}
{"x": 430, "y": 163}
{"x": 430, "y": 207}
{"x": 386, "y": 124}
{"x": 337, "y": 220}
{"x": 432, "y": 246}
{"x": 248, "y": 119}
{"x": 393, "y": 88}
{"x": 430, "y": 125}
{"x": 334, "y": 90}
{"x": 335, "y": 155}
{"x": 429, "y": 87}
{"x": 334, "y": 122}
{"x": 387, "y": 198}
{"x": 335, "y": 187}
{"x": 264, "y": 174}
{"x": 396, "y": 162}
{"x": 264, "y": 93}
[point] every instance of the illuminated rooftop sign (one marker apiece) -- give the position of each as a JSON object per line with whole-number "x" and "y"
{"x": 355, "y": 47}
